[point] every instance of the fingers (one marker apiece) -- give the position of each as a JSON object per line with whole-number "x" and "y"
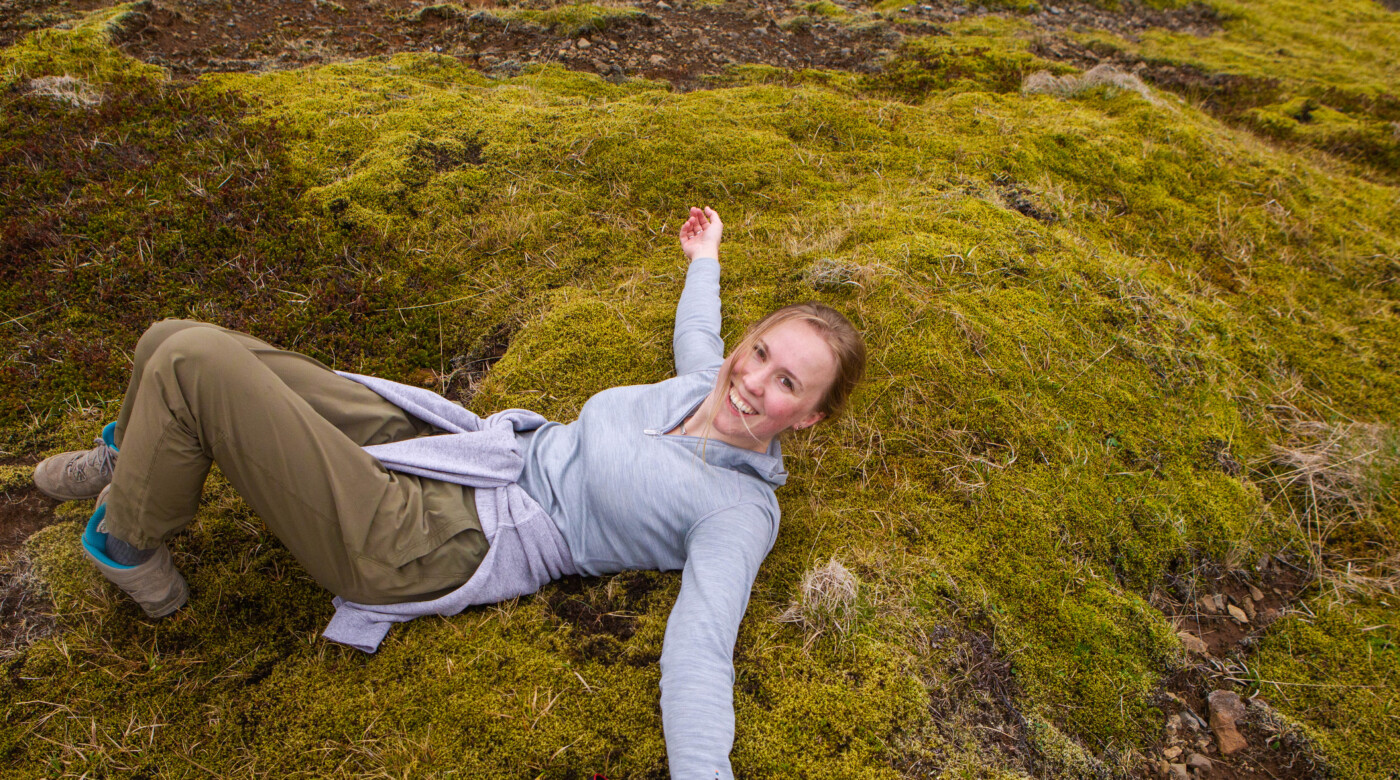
{"x": 701, "y": 221}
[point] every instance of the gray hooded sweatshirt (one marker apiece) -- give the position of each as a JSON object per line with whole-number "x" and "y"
{"x": 611, "y": 492}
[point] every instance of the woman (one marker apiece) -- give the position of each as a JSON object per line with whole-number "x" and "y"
{"x": 403, "y": 503}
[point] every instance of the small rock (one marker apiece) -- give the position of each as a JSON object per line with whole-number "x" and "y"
{"x": 1208, "y": 605}
{"x": 1249, "y": 610}
{"x": 1225, "y": 709}
{"x": 1178, "y": 772}
{"x": 1255, "y": 593}
{"x": 584, "y": 43}
{"x": 1173, "y": 724}
{"x": 1199, "y": 763}
{"x": 1172, "y": 752}
{"x": 663, "y": 5}
{"x": 1192, "y": 722}
{"x": 1238, "y": 614}
{"x": 656, "y": 59}
{"x": 1192, "y": 643}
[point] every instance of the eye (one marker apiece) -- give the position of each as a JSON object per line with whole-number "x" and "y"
{"x": 761, "y": 352}
{"x": 786, "y": 382}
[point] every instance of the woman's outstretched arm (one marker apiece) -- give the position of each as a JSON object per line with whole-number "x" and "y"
{"x": 723, "y": 553}
{"x": 696, "y": 342}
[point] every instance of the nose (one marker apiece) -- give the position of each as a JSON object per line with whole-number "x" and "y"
{"x": 753, "y": 382}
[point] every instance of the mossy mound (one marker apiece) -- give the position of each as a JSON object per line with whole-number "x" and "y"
{"x": 1084, "y": 315}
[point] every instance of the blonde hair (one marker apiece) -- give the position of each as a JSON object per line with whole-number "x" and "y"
{"x": 846, "y": 343}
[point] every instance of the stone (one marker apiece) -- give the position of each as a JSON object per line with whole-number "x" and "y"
{"x": 583, "y": 43}
{"x": 656, "y": 59}
{"x": 1255, "y": 593}
{"x": 1192, "y": 722}
{"x": 1192, "y": 643}
{"x": 1249, "y": 609}
{"x": 663, "y": 5}
{"x": 1199, "y": 763}
{"x": 1208, "y": 605}
{"x": 1178, "y": 772}
{"x": 1172, "y": 752}
{"x": 1238, "y": 614}
{"x": 1225, "y": 709}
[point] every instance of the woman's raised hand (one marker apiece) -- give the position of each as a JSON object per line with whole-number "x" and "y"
{"x": 700, "y": 235}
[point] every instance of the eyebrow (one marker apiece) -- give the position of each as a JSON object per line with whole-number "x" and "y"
{"x": 801, "y": 386}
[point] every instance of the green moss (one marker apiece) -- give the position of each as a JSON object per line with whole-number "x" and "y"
{"x": 825, "y": 9}
{"x": 1272, "y": 54}
{"x": 982, "y": 54}
{"x": 15, "y": 477}
{"x": 1076, "y": 310}
{"x": 572, "y": 19}
{"x": 1342, "y": 668}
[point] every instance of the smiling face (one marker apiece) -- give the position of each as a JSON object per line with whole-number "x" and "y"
{"x": 777, "y": 384}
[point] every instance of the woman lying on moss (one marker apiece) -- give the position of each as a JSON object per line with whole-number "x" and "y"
{"x": 403, "y": 503}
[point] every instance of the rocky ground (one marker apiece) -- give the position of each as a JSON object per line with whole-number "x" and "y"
{"x": 682, "y": 42}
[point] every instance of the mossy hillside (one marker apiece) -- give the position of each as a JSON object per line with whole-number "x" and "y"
{"x": 1150, "y": 194}
{"x": 1025, "y": 465}
{"x": 1338, "y": 58}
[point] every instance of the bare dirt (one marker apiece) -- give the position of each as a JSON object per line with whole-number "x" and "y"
{"x": 681, "y": 42}
{"x": 1228, "y": 610}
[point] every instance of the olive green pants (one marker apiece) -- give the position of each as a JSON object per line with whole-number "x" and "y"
{"x": 287, "y": 433}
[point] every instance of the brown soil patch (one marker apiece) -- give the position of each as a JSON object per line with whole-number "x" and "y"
{"x": 602, "y": 616}
{"x": 26, "y": 611}
{"x": 22, "y": 512}
{"x": 680, "y": 41}
{"x": 1202, "y": 608}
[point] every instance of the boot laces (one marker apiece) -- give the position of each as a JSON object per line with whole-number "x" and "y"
{"x": 101, "y": 459}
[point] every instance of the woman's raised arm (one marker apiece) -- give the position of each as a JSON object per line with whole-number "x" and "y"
{"x": 696, "y": 341}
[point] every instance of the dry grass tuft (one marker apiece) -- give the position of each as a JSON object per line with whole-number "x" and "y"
{"x": 1336, "y": 476}
{"x": 829, "y": 274}
{"x": 826, "y": 600}
{"x": 66, "y": 89}
{"x": 26, "y": 612}
{"x": 1103, "y": 75}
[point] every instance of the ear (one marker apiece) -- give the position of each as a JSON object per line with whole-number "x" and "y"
{"x": 810, "y": 420}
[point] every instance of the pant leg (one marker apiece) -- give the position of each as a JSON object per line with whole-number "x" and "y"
{"x": 354, "y": 409}
{"x": 206, "y": 395}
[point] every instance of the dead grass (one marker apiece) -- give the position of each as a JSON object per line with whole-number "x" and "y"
{"x": 1335, "y": 477}
{"x": 826, "y": 600}
{"x": 70, "y": 90}
{"x": 26, "y": 611}
{"x": 1103, "y": 75}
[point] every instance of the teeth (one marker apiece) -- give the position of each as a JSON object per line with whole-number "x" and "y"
{"x": 739, "y": 402}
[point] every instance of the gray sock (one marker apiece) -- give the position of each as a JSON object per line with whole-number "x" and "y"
{"x": 125, "y": 554}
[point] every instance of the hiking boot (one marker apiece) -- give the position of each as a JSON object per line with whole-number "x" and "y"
{"x": 81, "y": 475}
{"x": 155, "y": 584}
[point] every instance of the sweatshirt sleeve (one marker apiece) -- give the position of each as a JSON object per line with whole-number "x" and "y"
{"x": 697, "y": 343}
{"x": 697, "y": 657}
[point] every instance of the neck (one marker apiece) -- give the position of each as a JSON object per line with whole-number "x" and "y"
{"x": 698, "y": 424}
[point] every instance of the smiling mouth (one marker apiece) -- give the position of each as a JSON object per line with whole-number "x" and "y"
{"x": 738, "y": 403}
